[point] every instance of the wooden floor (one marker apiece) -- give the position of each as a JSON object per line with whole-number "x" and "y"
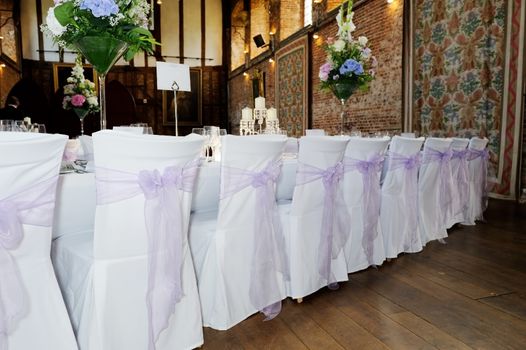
{"x": 469, "y": 293}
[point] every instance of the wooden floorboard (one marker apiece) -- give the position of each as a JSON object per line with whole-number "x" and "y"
{"x": 468, "y": 293}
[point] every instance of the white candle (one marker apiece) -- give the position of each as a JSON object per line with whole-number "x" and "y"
{"x": 272, "y": 114}
{"x": 246, "y": 113}
{"x": 260, "y": 103}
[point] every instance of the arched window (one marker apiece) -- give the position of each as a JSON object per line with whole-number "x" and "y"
{"x": 291, "y": 17}
{"x": 259, "y": 24}
{"x": 237, "y": 34}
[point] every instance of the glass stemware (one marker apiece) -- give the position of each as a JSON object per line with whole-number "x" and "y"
{"x": 213, "y": 140}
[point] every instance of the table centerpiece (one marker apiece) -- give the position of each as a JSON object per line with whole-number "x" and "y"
{"x": 79, "y": 94}
{"x": 102, "y": 31}
{"x": 350, "y": 65}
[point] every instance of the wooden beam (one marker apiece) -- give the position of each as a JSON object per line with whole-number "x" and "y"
{"x": 41, "y": 57}
{"x": 181, "y": 31}
{"x": 203, "y": 32}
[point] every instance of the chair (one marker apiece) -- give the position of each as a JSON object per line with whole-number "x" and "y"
{"x": 478, "y": 156}
{"x": 434, "y": 189}
{"x": 460, "y": 174}
{"x": 314, "y": 222}
{"x": 315, "y": 132}
{"x": 238, "y": 250}
{"x": 399, "y": 204}
{"x": 131, "y": 283}
{"x": 363, "y": 163}
{"x": 32, "y": 311}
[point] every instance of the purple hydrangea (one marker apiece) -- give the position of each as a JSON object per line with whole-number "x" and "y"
{"x": 351, "y": 66}
{"x": 100, "y": 8}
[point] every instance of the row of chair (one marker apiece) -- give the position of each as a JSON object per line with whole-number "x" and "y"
{"x": 131, "y": 284}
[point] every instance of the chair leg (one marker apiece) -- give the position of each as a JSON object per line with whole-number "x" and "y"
{"x": 299, "y": 300}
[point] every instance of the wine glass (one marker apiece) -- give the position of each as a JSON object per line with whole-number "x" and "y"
{"x": 19, "y": 126}
{"x": 6, "y": 125}
{"x": 212, "y": 135}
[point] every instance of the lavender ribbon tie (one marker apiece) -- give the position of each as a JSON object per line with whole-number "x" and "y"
{"x": 462, "y": 176}
{"x": 269, "y": 255}
{"x": 164, "y": 226}
{"x": 431, "y": 155}
{"x": 335, "y": 217}
{"x": 481, "y": 176}
{"x": 410, "y": 164}
{"x": 371, "y": 198}
{"x": 32, "y": 206}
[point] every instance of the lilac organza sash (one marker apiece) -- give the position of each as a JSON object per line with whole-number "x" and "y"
{"x": 269, "y": 253}
{"x": 370, "y": 170}
{"x": 481, "y": 176}
{"x": 164, "y": 226}
{"x": 410, "y": 165}
{"x": 431, "y": 155}
{"x": 32, "y": 206}
{"x": 462, "y": 177}
{"x": 335, "y": 217}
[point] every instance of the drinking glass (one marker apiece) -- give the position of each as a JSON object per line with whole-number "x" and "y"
{"x": 222, "y": 132}
{"x": 198, "y": 131}
{"x": 42, "y": 128}
{"x": 212, "y": 135}
{"x": 6, "y": 125}
{"x": 148, "y": 130}
{"x": 19, "y": 126}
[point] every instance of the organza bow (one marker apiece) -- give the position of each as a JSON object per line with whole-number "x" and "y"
{"x": 164, "y": 226}
{"x": 432, "y": 155}
{"x": 371, "y": 198}
{"x": 32, "y": 206}
{"x": 335, "y": 217}
{"x": 269, "y": 254}
{"x": 410, "y": 163}
{"x": 481, "y": 176}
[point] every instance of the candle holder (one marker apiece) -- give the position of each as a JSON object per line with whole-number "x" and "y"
{"x": 246, "y": 127}
{"x": 260, "y": 115}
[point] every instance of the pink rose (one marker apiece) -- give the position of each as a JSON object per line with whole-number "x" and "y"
{"x": 325, "y": 69}
{"x": 330, "y": 40}
{"x": 78, "y": 100}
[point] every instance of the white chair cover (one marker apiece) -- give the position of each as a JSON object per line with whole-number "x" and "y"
{"x": 434, "y": 188}
{"x": 32, "y": 311}
{"x": 399, "y": 205}
{"x": 363, "y": 161}
{"x": 315, "y": 259}
{"x": 460, "y": 175}
{"x": 87, "y": 147}
{"x": 230, "y": 251}
{"x": 105, "y": 276}
{"x": 477, "y": 165}
{"x": 315, "y": 132}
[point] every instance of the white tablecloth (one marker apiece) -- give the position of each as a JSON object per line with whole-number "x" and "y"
{"x": 76, "y": 196}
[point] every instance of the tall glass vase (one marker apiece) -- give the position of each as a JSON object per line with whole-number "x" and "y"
{"x": 102, "y": 52}
{"x": 81, "y": 113}
{"x": 343, "y": 91}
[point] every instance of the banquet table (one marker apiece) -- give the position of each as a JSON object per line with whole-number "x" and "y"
{"x": 76, "y": 196}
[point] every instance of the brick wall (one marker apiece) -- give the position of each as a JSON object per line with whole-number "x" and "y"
{"x": 240, "y": 92}
{"x": 378, "y": 109}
